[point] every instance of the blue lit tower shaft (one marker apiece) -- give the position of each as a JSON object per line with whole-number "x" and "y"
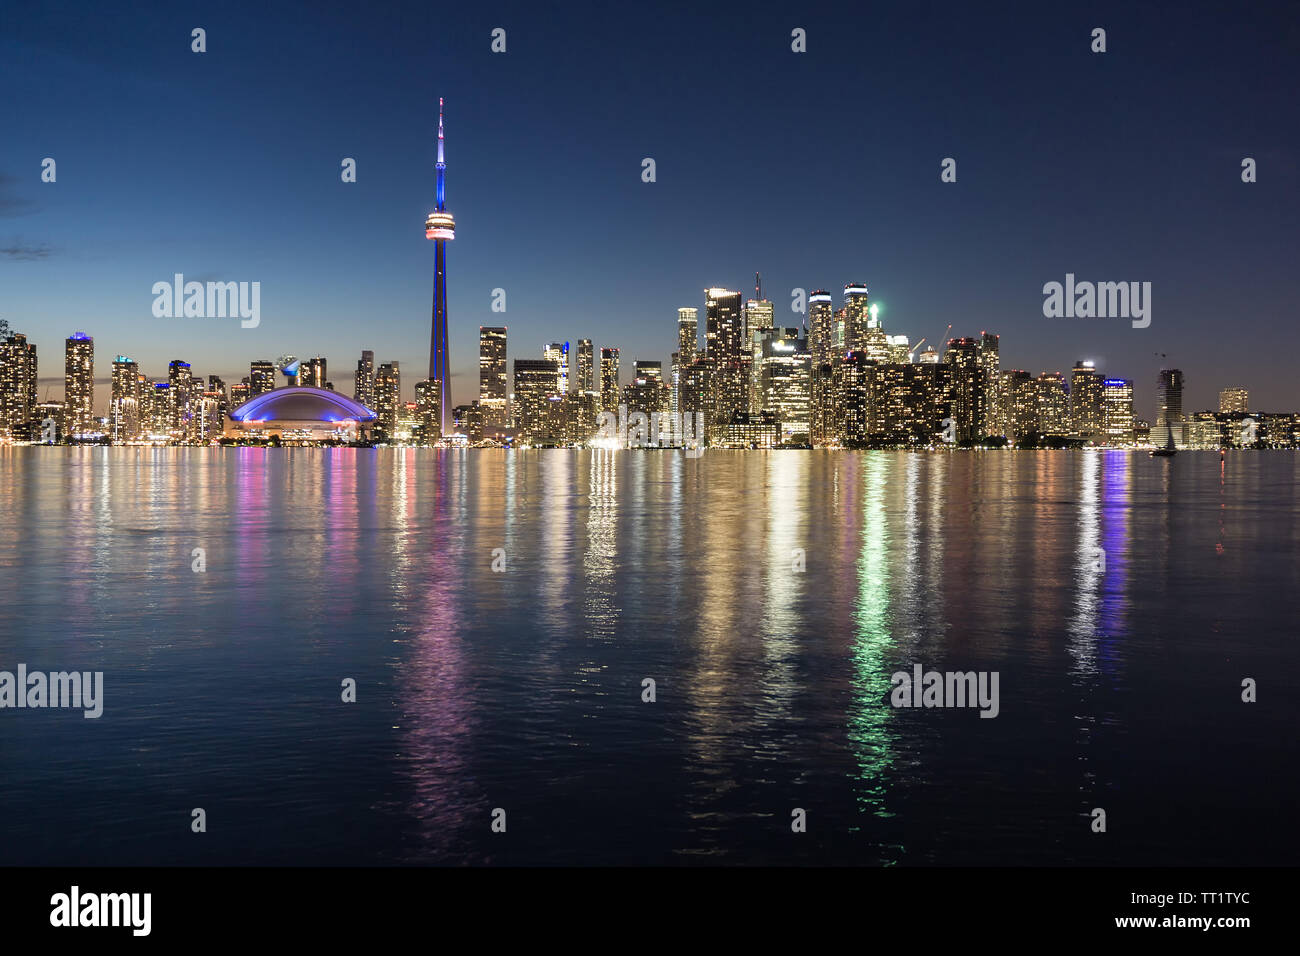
{"x": 440, "y": 227}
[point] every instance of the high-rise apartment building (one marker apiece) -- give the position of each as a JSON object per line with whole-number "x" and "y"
{"x": 1053, "y": 404}
{"x": 1018, "y": 410}
{"x": 428, "y": 414}
{"x": 857, "y": 314}
{"x": 821, "y": 327}
{"x": 364, "y": 389}
{"x": 388, "y": 400}
{"x": 990, "y": 363}
{"x": 124, "y": 420}
{"x": 79, "y": 384}
{"x": 1086, "y": 413}
{"x": 968, "y": 389}
{"x": 17, "y": 387}
{"x": 180, "y": 413}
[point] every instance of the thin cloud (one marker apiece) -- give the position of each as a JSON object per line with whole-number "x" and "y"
{"x": 19, "y": 251}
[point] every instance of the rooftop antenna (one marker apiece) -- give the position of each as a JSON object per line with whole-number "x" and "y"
{"x": 758, "y": 287}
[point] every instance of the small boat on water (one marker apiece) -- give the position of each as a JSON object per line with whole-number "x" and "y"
{"x": 1167, "y": 450}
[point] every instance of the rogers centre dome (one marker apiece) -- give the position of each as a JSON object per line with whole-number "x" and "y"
{"x": 300, "y": 411}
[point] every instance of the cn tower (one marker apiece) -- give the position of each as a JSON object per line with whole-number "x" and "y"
{"x": 441, "y": 228}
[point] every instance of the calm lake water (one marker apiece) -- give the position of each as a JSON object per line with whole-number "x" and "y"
{"x": 1121, "y": 599}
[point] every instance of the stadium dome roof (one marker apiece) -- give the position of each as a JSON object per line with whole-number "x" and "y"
{"x": 302, "y": 403}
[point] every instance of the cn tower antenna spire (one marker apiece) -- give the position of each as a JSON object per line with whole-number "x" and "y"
{"x": 441, "y": 160}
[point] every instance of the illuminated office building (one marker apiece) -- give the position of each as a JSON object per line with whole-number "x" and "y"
{"x": 724, "y": 345}
{"x": 783, "y": 373}
{"x": 536, "y": 397}
{"x": 492, "y": 377}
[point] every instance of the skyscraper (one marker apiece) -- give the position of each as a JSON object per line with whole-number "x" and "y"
{"x": 558, "y": 352}
{"x": 441, "y": 228}
{"x": 180, "y": 413}
{"x": 17, "y": 386}
{"x": 1053, "y": 404}
{"x": 124, "y": 406}
{"x": 492, "y": 384}
{"x": 586, "y": 367}
{"x": 857, "y": 315}
{"x": 427, "y": 413}
{"x": 647, "y": 392}
{"x": 79, "y": 384}
{"x": 364, "y": 390}
{"x": 1018, "y": 412}
{"x": 536, "y": 417}
{"x": 821, "y": 327}
{"x": 1169, "y": 392}
{"x": 313, "y": 372}
{"x": 1086, "y": 411}
{"x": 758, "y": 324}
{"x": 1117, "y": 412}
{"x": 388, "y": 399}
{"x": 990, "y": 363}
{"x": 608, "y": 380}
{"x": 261, "y": 378}
{"x": 725, "y": 346}
{"x": 1234, "y": 399}
{"x": 688, "y": 334}
{"x": 968, "y": 391}
{"x": 783, "y": 373}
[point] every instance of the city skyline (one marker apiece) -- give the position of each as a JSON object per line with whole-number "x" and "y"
{"x": 553, "y": 209}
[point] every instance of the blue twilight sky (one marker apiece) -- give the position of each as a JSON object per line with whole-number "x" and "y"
{"x": 815, "y": 169}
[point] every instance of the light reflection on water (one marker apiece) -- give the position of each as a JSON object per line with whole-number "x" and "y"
{"x": 1120, "y": 598}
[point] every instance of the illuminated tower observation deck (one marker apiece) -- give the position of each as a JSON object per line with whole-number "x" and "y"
{"x": 441, "y": 228}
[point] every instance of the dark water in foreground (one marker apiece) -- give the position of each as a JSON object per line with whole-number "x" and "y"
{"x": 1119, "y": 677}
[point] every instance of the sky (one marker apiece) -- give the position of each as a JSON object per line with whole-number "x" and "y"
{"x": 815, "y": 169}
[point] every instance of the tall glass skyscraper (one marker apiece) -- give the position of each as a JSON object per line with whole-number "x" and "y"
{"x": 492, "y": 375}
